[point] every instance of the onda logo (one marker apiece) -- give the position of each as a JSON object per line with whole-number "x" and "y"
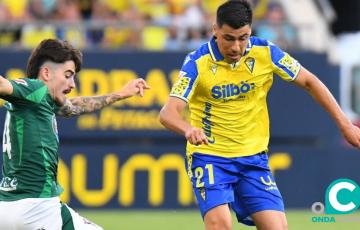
{"x": 341, "y": 197}
{"x": 230, "y": 90}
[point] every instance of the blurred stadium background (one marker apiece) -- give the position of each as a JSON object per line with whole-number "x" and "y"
{"x": 121, "y": 168}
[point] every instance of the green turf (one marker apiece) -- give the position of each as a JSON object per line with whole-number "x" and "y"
{"x": 190, "y": 220}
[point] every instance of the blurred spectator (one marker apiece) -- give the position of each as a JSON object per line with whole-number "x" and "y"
{"x": 154, "y": 37}
{"x": 260, "y": 8}
{"x": 85, "y": 7}
{"x": 102, "y": 11}
{"x": 117, "y": 7}
{"x": 156, "y": 11}
{"x": 210, "y": 7}
{"x": 33, "y": 34}
{"x": 16, "y": 10}
{"x": 42, "y": 9}
{"x": 196, "y": 37}
{"x": 68, "y": 10}
{"x": 94, "y": 36}
{"x": 275, "y": 28}
{"x": 192, "y": 17}
{"x": 173, "y": 41}
{"x": 118, "y": 37}
{"x": 127, "y": 24}
{"x": 9, "y": 34}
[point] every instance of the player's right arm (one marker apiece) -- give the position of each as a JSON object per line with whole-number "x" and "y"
{"x": 6, "y": 87}
{"x": 80, "y": 105}
{"x": 171, "y": 118}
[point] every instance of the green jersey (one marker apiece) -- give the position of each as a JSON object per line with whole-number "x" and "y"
{"x": 30, "y": 143}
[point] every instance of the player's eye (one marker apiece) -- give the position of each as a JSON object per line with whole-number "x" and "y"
{"x": 228, "y": 38}
{"x": 244, "y": 38}
{"x": 69, "y": 74}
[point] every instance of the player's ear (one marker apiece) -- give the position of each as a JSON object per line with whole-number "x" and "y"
{"x": 215, "y": 28}
{"x": 44, "y": 73}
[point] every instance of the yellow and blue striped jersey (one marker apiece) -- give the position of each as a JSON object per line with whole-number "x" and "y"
{"x": 228, "y": 101}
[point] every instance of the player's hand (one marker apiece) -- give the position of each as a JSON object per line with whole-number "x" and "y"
{"x": 196, "y": 136}
{"x": 352, "y": 135}
{"x": 134, "y": 87}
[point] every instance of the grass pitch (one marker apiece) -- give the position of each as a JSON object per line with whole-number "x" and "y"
{"x": 191, "y": 220}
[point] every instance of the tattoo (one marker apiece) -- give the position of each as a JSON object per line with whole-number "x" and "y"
{"x": 80, "y": 105}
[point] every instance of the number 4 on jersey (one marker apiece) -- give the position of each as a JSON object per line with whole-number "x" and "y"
{"x": 6, "y": 136}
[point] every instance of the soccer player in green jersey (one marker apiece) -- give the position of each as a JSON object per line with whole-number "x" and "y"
{"x": 225, "y": 83}
{"x": 29, "y": 192}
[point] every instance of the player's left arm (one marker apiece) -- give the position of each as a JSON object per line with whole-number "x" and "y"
{"x": 323, "y": 96}
{"x": 80, "y": 105}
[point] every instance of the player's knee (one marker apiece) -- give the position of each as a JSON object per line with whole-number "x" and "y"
{"x": 281, "y": 225}
{"x": 219, "y": 223}
{"x": 284, "y": 226}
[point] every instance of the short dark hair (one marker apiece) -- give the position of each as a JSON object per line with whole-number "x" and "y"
{"x": 235, "y": 13}
{"x": 53, "y": 50}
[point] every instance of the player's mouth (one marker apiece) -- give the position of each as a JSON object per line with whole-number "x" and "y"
{"x": 235, "y": 57}
{"x": 67, "y": 91}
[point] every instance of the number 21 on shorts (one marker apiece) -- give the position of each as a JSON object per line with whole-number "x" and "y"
{"x": 199, "y": 175}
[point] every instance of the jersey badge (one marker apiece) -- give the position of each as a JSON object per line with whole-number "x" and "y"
{"x": 213, "y": 68}
{"x": 250, "y": 63}
{"x": 21, "y": 81}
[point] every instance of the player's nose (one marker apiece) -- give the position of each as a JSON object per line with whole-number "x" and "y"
{"x": 72, "y": 83}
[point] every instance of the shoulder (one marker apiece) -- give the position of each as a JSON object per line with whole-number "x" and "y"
{"x": 256, "y": 41}
{"x": 27, "y": 82}
{"x": 274, "y": 51}
{"x": 25, "y": 89}
{"x": 202, "y": 51}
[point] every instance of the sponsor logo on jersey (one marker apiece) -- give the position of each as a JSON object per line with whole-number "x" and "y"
{"x": 290, "y": 63}
{"x": 21, "y": 81}
{"x": 206, "y": 121}
{"x": 180, "y": 86}
{"x": 8, "y": 184}
{"x": 230, "y": 90}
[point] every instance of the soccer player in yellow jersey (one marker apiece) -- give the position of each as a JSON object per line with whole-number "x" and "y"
{"x": 225, "y": 83}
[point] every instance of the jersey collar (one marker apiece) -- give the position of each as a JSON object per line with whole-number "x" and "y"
{"x": 215, "y": 52}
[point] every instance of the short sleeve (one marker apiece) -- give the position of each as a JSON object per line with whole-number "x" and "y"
{"x": 185, "y": 85}
{"x": 25, "y": 89}
{"x": 285, "y": 66}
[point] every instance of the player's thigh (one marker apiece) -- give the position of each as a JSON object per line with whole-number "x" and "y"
{"x": 212, "y": 180}
{"x": 73, "y": 221}
{"x": 257, "y": 190}
{"x": 31, "y": 213}
{"x": 270, "y": 220}
{"x": 218, "y": 218}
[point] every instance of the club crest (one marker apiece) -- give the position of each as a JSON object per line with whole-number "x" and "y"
{"x": 213, "y": 68}
{"x": 202, "y": 193}
{"x": 250, "y": 63}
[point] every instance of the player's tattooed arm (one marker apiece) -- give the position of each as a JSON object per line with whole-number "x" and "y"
{"x": 80, "y": 105}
